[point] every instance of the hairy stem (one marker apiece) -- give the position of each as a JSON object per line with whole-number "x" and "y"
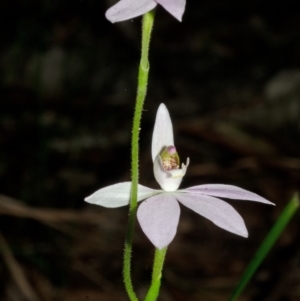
{"x": 158, "y": 263}
{"x": 147, "y": 26}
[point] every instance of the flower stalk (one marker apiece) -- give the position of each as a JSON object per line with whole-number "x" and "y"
{"x": 147, "y": 26}
{"x": 158, "y": 264}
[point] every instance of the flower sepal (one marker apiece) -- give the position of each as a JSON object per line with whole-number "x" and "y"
{"x": 159, "y": 214}
{"x": 128, "y": 9}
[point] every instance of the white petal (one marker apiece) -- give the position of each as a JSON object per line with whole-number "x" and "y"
{"x": 216, "y": 210}
{"x": 174, "y": 7}
{"x": 227, "y": 191}
{"x": 128, "y": 9}
{"x": 168, "y": 180}
{"x": 118, "y": 195}
{"x": 163, "y": 131}
{"x": 159, "y": 217}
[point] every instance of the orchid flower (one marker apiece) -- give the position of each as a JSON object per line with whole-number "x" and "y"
{"x": 159, "y": 214}
{"x": 128, "y": 9}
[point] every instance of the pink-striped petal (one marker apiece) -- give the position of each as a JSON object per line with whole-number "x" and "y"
{"x": 216, "y": 210}
{"x": 174, "y": 7}
{"x": 128, "y": 9}
{"x": 159, "y": 217}
{"x": 118, "y": 195}
{"x": 163, "y": 131}
{"x": 226, "y": 191}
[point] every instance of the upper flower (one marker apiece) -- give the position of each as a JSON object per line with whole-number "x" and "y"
{"x": 128, "y": 9}
{"x": 159, "y": 214}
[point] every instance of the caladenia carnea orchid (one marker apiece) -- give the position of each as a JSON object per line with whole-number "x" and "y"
{"x": 159, "y": 214}
{"x": 128, "y": 9}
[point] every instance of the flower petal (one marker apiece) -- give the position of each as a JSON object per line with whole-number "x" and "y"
{"x": 216, "y": 210}
{"x": 128, "y": 9}
{"x": 169, "y": 180}
{"x": 163, "y": 131}
{"x": 174, "y": 7}
{"x": 159, "y": 217}
{"x": 227, "y": 191}
{"x": 118, "y": 195}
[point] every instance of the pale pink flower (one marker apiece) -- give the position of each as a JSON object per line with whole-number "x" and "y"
{"x": 159, "y": 214}
{"x": 128, "y": 9}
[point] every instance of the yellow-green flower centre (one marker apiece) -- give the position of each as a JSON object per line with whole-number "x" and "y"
{"x": 170, "y": 158}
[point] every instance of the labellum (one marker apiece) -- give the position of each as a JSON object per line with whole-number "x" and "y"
{"x": 170, "y": 158}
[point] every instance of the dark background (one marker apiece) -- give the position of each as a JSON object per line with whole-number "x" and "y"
{"x": 230, "y": 76}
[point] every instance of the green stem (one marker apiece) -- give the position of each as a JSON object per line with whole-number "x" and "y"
{"x": 266, "y": 245}
{"x": 156, "y": 274}
{"x": 147, "y": 26}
